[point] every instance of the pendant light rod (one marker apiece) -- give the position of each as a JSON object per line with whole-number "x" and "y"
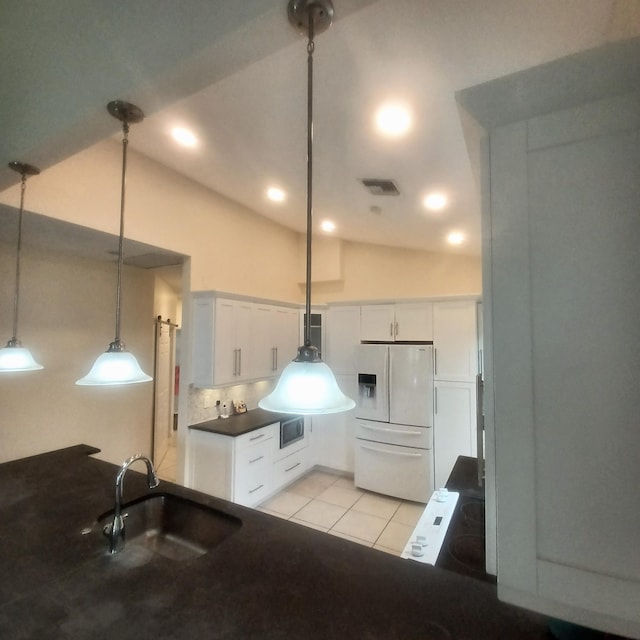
{"x": 125, "y": 144}
{"x": 116, "y": 365}
{"x": 126, "y": 113}
{"x": 307, "y": 385}
{"x": 310, "y": 17}
{"x": 24, "y": 170}
{"x": 310, "y": 48}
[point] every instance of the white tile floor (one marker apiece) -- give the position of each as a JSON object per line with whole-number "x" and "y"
{"x": 333, "y": 504}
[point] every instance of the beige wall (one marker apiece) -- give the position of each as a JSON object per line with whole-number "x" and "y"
{"x": 66, "y": 320}
{"x": 374, "y": 272}
{"x": 232, "y": 248}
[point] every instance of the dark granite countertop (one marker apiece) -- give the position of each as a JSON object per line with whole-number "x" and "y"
{"x": 270, "y": 579}
{"x": 241, "y": 423}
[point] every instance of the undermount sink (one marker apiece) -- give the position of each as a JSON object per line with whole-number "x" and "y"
{"x": 173, "y": 527}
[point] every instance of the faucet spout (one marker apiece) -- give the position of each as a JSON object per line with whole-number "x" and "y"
{"x": 115, "y": 531}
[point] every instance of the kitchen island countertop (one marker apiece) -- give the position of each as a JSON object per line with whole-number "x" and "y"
{"x": 270, "y": 579}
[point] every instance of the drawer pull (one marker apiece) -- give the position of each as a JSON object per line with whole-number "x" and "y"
{"x": 256, "y": 489}
{"x": 257, "y": 437}
{"x": 297, "y": 464}
{"x": 256, "y": 459}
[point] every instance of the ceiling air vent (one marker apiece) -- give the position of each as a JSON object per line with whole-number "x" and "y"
{"x": 381, "y": 187}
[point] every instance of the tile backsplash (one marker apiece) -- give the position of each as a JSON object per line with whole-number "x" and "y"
{"x": 202, "y": 402}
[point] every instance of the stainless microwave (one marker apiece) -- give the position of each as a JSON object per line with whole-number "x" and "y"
{"x": 291, "y": 430}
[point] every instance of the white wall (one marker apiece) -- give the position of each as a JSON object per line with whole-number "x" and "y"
{"x": 67, "y": 318}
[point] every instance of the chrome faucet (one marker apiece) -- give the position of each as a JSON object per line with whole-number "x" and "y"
{"x": 115, "y": 530}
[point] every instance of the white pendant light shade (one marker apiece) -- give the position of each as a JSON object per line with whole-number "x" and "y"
{"x": 114, "y": 367}
{"x": 307, "y": 388}
{"x": 15, "y": 357}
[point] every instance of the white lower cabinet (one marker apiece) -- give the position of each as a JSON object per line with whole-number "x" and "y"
{"x": 237, "y": 469}
{"x": 245, "y": 469}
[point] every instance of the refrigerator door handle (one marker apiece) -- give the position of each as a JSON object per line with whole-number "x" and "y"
{"x": 387, "y": 430}
{"x": 435, "y": 361}
{"x": 392, "y": 453}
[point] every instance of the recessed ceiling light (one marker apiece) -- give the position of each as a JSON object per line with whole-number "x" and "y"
{"x": 276, "y": 195}
{"x": 328, "y": 226}
{"x": 184, "y": 137}
{"x": 393, "y": 120}
{"x": 435, "y": 201}
{"x": 455, "y": 238}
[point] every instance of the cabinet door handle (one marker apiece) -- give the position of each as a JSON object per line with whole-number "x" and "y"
{"x": 391, "y": 329}
{"x": 256, "y": 489}
{"x": 435, "y": 361}
{"x": 297, "y": 464}
{"x": 396, "y": 330}
{"x": 261, "y": 435}
{"x": 256, "y": 459}
{"x": 235, "y": 362}
{"x": 239, "y": 361}
{"x": 435, "y": 400}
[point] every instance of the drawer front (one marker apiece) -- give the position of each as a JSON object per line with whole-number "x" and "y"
{"x": 259, "y": 435}
{"x": 290, "y": 468}
{"x": 402, "y": 472}
{"x": 253, "y": 474}
{"x": 398, "y": 434}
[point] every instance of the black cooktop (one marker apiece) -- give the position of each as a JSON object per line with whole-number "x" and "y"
{"x": 463, "y": 549}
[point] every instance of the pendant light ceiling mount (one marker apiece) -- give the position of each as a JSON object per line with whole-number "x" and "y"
{"x": 320, "y": 11}
{"x": 126, "y": 112}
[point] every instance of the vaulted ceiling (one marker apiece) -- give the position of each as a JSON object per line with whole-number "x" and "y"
{"x": 234, "y": 73}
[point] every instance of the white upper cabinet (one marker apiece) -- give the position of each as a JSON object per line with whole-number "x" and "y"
{"x": 232, "y": 352}
{"x": 237, "y": 341}
{"x": 561, "y": 304}
{"x": 343, "y": 338}
{"x": 286, "y": 339}
{"x": 455, "y": 340}
{"x": 407, "y": 321}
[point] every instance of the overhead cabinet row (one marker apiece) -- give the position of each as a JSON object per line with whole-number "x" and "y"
{"x": 237, "y": 341}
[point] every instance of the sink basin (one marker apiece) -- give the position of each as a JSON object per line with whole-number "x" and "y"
{"x": 172, "y": 526}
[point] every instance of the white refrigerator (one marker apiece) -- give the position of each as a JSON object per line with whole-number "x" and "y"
{"x": 394, "y": 420}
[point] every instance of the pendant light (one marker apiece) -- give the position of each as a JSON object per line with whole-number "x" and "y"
{"x": 307, "y": 385}
{"x": 15, "y": 357}
{"x": 116, "y": 365}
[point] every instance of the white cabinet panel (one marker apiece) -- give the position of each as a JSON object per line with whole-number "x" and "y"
{"x": 343, "y": 338}
{"x": 561, "y": 266}
{"x": 454, "y": 426}
{"x": 410, "y": 321}
{"x": 377, "y": 321}
{"x": 455, "y": 340}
